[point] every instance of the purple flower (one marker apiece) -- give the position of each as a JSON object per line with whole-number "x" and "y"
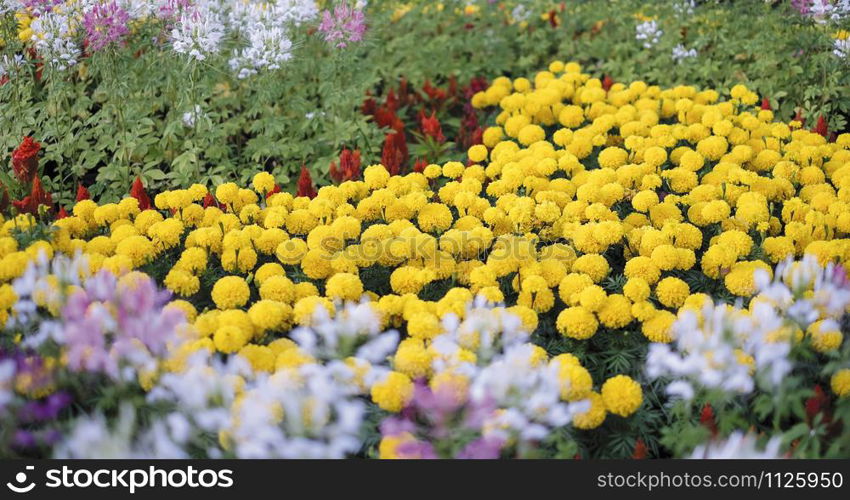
{"x": 393, "y": 426}
{"x": 109, "y": 324}
{"x": 105, "y": 24}
{"x": 23, "y": 439}
{"x": 30, "y": 368}
{"x": 345, "y": 25}
{"x": 416, "y": 449}
{"x": 39, "y": 7}
{"x": 48, "y": 409}
{"x": 483, "y": 448}
{"x": 170, "y": 9}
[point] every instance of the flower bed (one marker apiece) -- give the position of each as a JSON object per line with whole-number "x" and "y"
{"x": 598, "y": 279}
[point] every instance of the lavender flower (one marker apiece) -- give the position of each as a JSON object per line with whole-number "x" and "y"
{"x": 108, "y": 324}
{"x": 39, "y": 7}
{"x": 46, "y": 409}
{"x": 345, "y": 25}
{"x": 105, "y": 24}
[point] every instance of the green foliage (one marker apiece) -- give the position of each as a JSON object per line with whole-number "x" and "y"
{"x": 120, "y": 114}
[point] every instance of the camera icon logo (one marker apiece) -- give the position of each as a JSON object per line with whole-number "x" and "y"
{"x": 20, "y": 479}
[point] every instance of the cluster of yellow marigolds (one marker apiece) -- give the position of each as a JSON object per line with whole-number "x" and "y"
{"x": 573, "y": 185}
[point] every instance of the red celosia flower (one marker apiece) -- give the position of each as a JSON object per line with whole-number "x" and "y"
{"x": 607, "y": 82}
{"x": 394, "y": 154}
{"x": 821, "y": 127}
{"x": 305, "y": 184}
{"x": 430, "y": 127}
{"x": 765, "y": 104}
{"x": 82, "y": 193}
{"x": 799, "y": 117}
{"x": 470, "y": 133}
{"x": 387, "y": 118}
{"x": 335, "y": 173}
{"x": 453, "y": 87}
{"x": 406, "y": 97}
{"x": 276, "y": 189}
{"x": 433, "y": 93}
{"x": 38, "y": 196}
{"x": 62, "y": 213}
{"x": 477, "y": 84}
{"x": 210, "y": 201}
{"x": 349, "y": 166}
{"x": 391, "y": 102}
{"x": 138, "y": 192}
{"x": 640, "y": 450}
{"x": 25, "y": 160}
{"x": 819, "y": 403}
{"x": 420, "y": 165}
{"x": 369, "y": 107}
{"x": 706, "y": 418}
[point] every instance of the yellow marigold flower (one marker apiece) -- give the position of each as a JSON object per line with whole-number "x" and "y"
{"x": 616, "y": 312}
{"x": 672, "y": 292}
{"x": 453, "y": 169}
{"x": 305, "y": 310}
{"x": 644, "y": 200}
{"x": 574, "y": 379}
{"x": 530, "y": 134}
{"x": 740, "y": 279}
{"x": 526, "y": 315}
{"x": 657, "y": 328}
{"x": 138, "y": 249}
{"x": 270, "y": 315}
{"x": 825, "y": 335}
{"x": 622, "y": 395}
{"x": 229, "y": 339}
{"x": 376, "y": 176}
{"x": 344, "y": 286}
{"x": 388, "y": 448}
{"x": 230, "y": 292}
{"x": 594, "y": 265}
{"x": 592, "y": 298}
{"x": 434, "y": 217}
{"x": 577, "y": 322}
{"x": 393, "y": 392}
{"x": 263, "y": 182}
{"x": 477, "y": 153}
{"x": 291, "y": 358}
{"x": 261, "y": 358}
{"x": 595, "y": 416}
{"x": 644, "y": 268}
{"x": 636, "y": 289}
{"x": 412, "y": 358}
{"x": 571, "y": 116}
{"x": 840, "y": 383}
{"x": 185, "y": 307}
{"x": 424, "y": 325}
